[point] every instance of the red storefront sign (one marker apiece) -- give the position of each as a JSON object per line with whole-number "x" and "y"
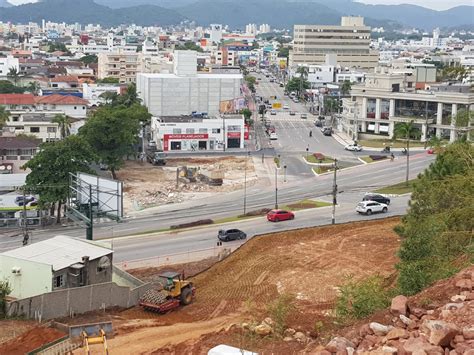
{"x": 168, "y": 137}
{"x": 246, "y": 132}
{"x": 233, "y": 134}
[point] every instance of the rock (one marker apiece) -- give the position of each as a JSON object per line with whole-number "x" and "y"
{"x": 245, "y": 326}
{"x": 458, "y": 339}
{"x": 468, "y": 333}
{"x": 290, "y": 331}
{"x": 399, "y": 305}
{"x": 322, "y": 352}
{"x": 300, "y": 337}
{"x": 453, "y": 306}
{"x": 418, "y": 312}
{"x": 379, "y": 329}
{"x": 339, "y": 344}
{"x": 440, "y": 332}
{"x": 470, "y": 296}
{"x": 445, "y": 314}
{"x": 464, "y": 284}
{"x": 396, "y": 333}
{"x": 263, "y": 329}
{"x": 365, "y": 330}
{"x": 419, "y": 344}
{"x": 288, "y": 339}
{"x": 407, "y": 321}
{"x": 458, "y": 298}
{"x": 269, "y": 321}
{"x": 389, "y": 350}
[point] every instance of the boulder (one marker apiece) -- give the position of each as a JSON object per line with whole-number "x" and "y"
{"x": 263, "y": 329}
{"x": 389, "y": 350}
{"x": 458, "y": 298}
{"x": 287, "y": 339}
{"x": 365, "y": 330}
{"x": 339, "y": 344}
{"x": 440, "y": 332}
{"x": 396, "y": 333}
{"x": 300, "y": 337}
{"x": 464, "y": 284}
{"x": 468, "y": 333}
{"x": 379, "y": 329}
{"x": 407, "y": 321}
{"x": 420, "y": 344}
{"x": 399, "y": 305}
{"x": 290, "y": 331}
{"x": 269, "y": 322}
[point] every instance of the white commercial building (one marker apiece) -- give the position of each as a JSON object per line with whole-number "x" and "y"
{"x": 7, "y": 63}
{"x": 186, "y": 90}
{"x": 192, "y": 134}
{"x": 92, "y": 92}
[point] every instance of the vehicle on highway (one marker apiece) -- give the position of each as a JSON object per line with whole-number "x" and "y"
{"x": 327, "y": 131}
{"x": 272, "y": 80}
{"x": 273, "y": 112}
{"x": 227, "y": 235}
{"x": 369, "y": 207}
{"x": 304, "y": 116}
{"x": 292, "y": 113}
{"x": 282, "y": 85}
{"x": 353, "y": 147}
{"x": 280, "y": 215}
{"x": 376, "y": 197}
{"x": 296, "y": 100}
{"x": 318, "y": 123}
{"x": 286, "y": 107}
{"x": 273, "y": 136}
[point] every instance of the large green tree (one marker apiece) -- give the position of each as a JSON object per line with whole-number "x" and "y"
{"x": 346, "y": 87}
{"x": 13, "y": 74}
{"x": 7, "y": 87}
{"x": 437, "y": 230}
{"x": 406, "y": 131}
{"x": 297, "y": 84}
{"x": 51, "y": 168}
{"x": 112, "y": 131}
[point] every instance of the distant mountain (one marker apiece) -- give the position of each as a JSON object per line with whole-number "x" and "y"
{"x": 5, "y": 3}
{"x": 169, "y": 4}
{"x": 87, "y": 11}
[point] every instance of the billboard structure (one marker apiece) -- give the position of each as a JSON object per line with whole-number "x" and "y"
{"x": 92, "y": 197}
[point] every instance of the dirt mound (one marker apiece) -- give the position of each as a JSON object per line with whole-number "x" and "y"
{"x": 31, "y": 340}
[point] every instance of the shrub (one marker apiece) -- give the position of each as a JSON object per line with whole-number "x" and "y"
{"x": 279, "y": 311}
{"x": 358, "y": 299}
{"x": 5, "y": 290}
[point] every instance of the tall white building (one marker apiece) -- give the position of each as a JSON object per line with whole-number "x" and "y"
{"x": 215, "y": 33}
{"x": 264, "y": 28}
{"x": 7, "y": 63}
{"x": 251, "y": 29}
{"x": 186, "y": 90}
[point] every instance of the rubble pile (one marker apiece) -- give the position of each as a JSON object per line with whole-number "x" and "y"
{"x": 447, "y": 329}
{"x": 267, "y": 328}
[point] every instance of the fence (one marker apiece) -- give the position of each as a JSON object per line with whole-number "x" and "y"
{"x": 179, "y": 258}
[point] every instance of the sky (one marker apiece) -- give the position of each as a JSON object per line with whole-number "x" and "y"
{"x": 431, "y": 4}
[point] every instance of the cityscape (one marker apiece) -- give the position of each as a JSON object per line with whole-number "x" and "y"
{"x": 255, "y": 177}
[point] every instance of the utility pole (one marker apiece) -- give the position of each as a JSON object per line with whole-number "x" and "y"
{"x": 334, "y": 194}
{"x": 276, "y": 188}
{"x": 26, "y": 237}
{"x": 245, "y": 184}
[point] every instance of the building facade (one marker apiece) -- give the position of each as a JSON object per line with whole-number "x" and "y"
{"x": 350, "y": 42}
{"x": 119, "y": 65}
{"x": 7, "y": 63}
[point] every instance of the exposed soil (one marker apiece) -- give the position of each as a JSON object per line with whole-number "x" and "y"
{"x": 32, "y": 339}
{"x": 10, "y": 329}
{"x": 146, "y": 185}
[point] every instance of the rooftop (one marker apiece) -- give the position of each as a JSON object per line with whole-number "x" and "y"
{"x": 19, "y": 143}
{"x": 17, "y": 99}
{"x": 60, "y": 252}
{"x": 57, "y": 99}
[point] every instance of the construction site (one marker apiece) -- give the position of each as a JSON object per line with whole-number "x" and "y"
{"x": 309, "y": 264}
{"x": 147, "y": 185}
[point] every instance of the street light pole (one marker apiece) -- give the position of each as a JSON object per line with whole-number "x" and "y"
{"x": 284, "y": 169}
{"x": 276, "y": 188}
{"x": 245, "y": 184}
{"x": 334, "y": 194}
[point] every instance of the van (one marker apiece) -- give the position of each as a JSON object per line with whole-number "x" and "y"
{"x": 304, "y": 116}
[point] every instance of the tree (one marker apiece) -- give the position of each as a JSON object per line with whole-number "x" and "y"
{"x": 64, "y": 125}
{"x": 346, "y": 87}
{"x": 33, "y": 87}
{"x": 407, "y": 131}
{"x": 51, "y": 168}
{"x": 250, "y": 80}
{"x": 108, "y": 80}
{"x": 6, "y": 87}
{"x": 247, "y": 116}
{"x": 189, "y": 46}
{"x": 13, "y": 74}
{"x": 456, "y": 73}
{"x": 5, "y": 290}
{"x": 303, "y": 72}
{"x": 130, "y": 97}
{"x": 464, "y": 121}
{"x": 4, "y": 115}
{"x": 331, "y": 105}
{"x": 112, "y": 131}
{"x": 284, "y": 52}
{"x": 437, "y": 230}
{"x": 297, "y": 84}
{"x": 110, "y": 97}
{"x": 89, "y": 59}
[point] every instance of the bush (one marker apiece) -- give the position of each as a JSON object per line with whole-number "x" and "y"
{"x": 279, "y": 311}
{"x": 201, "y": 222}
{"x": 377, "y": 157}
{"x": 5, "y": 290}
{"x": 359, "y": 299}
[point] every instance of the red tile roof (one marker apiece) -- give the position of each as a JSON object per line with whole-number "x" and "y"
{"x": 17, "y": 99}
{"x": 57, "y": 99}
{"x": 65, "y": 79}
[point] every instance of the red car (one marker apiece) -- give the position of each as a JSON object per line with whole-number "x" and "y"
{"x": 279, "y": 215}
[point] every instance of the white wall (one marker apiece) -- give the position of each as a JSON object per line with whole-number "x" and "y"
{"x": 7, "y": 63}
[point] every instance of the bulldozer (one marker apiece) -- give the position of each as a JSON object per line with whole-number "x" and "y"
{"x": 174, "y": 291}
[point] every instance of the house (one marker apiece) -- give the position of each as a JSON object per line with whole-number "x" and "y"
{"x": 68, "y": 104}
{"x": 64, "y": 82}
{"x": 55, "y": 264}
{"x": 16, "y": 151}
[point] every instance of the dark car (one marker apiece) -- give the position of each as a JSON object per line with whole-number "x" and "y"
{"x": 227, "y": 235}
{"x": 327, "y": 131}
{"x": 24, "y": 200}
{"x": 377, "y": 198}
{"x": 318, "y": 123}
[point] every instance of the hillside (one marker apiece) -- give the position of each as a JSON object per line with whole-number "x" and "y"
{"x": 87, "y": 11}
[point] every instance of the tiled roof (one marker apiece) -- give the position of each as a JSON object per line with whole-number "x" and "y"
{"x": 18, "y": 143}
{"x": 64, "y": 79}
{"x": 17, "y": 99}
{"x": 57, "y": 99}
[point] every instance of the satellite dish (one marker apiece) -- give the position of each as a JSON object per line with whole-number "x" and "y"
{"x": 104, "y": 263}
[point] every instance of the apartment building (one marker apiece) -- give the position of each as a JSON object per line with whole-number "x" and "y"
{"x": 350, "y": 42}
{"x": 120, "y": 65}
{"x": 388, "y": 97}
{"x": 7, "y": 63}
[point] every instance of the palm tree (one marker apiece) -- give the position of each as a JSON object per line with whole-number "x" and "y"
{"x": 4, "y": 114}
{"x": 64, "y": 124}
{"x": 13, "y": 74}
{"x": 110, "y": 97}
{"x": 405, "y": 130}
{"x": 33, "y": 87}
{"x": 303, "y": 72}
{"x": 346, "y": 87}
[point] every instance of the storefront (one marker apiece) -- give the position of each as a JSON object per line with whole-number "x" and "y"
{"x": 233, "y": 139}
{"x": 185, "y": 142}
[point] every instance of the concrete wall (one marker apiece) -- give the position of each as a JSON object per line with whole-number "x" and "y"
{"x": 76, "y": 300}
{"x": 33, "y": 278}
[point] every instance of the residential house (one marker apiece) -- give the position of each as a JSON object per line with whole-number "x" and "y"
{"x": 64, "y": 82}
{"x": 16, "y": 151}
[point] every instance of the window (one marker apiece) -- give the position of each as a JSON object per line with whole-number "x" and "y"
{"x": 216, "y": 130}
{"x": 51, "y": 129}
{"x": 176, "y": 130}
{"x": 233, "y": 128}
{"x": 34, "y": 129}
{"x": 202, "y": 130}
{"x": 189, "y": 130}
{"x": 59, "y": 281}
{"x": 75, "y": 107}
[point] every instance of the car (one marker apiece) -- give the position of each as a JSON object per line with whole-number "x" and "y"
{"x": 227, "y": 235}
{"x": 281, "y": 85}
{"x": 292, "y": 113}
{"x": 296, "y": 100}
{"x": 286, "y": 107}
{"x": 353, "y": 147}
{"x": 272, "y": 80}
{"x": 280, "y": 215}
{"x": 259, "y": 78}
{"x": 318, "y": 123}
{"x": 273, "y": 112}
{"x": 273, "y": 136}
{"x": 327, "y": 131}
{"x": 103, "y": 166}
{"x": 376, "y": 197}
{"x": 25, "y": 200}
{"x": 304, "y": 116}
{"x": 369, "y": 207}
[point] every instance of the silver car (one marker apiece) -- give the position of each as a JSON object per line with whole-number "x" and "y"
{"x": 369, "y": 207}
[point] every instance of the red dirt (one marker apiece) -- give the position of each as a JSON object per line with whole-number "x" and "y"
{"x": 10, "y": 329}
{"x": 31, "y": 340}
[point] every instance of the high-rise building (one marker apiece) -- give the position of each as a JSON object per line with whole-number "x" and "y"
{"x": 264, "y": 28}
{"x": 251, "y": 29}
{"x": 350, "y": 42}
{"x": 121, "y": 65}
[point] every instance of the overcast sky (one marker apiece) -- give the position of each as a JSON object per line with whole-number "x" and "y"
{"x": 432, "y": 4}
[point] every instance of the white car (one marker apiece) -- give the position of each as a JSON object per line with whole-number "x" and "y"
{"x": 273, "y": 112}
{"x": 353, "y": 147}
{"x": 369, "y": 207}
{"x": 286, "y": 107}
{"x": 273, "y": 136}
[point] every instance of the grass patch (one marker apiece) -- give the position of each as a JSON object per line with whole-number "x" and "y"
{"x": 304, "y": 205}
{"x": 397, "y": 189}
{"x": 277, "y": 161}
{"x": 323, "y": 169}
{"x": 369, "y": 160}
{"x": 310, "y": 158}
{"x": 379, "y": 143}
